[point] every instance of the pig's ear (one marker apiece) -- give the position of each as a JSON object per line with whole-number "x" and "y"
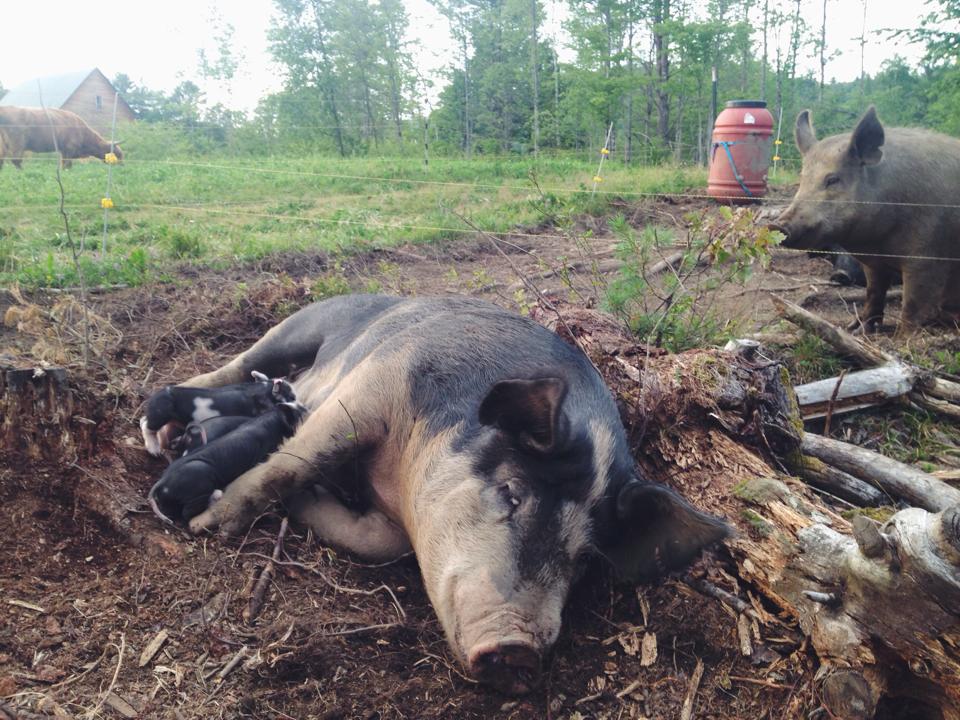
{"x": 867, "y": 139}
{"x": 804, "y": 133}
{"x": 282, "y": 391}
{"x": 258, "y": 376}
{"x": 529, "y": 411}
{"x": 291, "y": 412}
{"x": 658, "y": 531}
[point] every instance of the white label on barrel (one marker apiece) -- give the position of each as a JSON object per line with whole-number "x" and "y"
{"x": 749, "y": 119}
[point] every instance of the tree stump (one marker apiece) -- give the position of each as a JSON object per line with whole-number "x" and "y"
{"x": 880, "y": 603}
{"x": 36, "y": 406}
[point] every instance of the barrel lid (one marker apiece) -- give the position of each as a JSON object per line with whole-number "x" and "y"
{"x": 746, "y": 104}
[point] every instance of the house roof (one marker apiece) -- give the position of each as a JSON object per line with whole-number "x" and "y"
{"x": 51, "y": 91}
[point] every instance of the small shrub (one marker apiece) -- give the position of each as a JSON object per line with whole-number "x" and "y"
{"x": 675, "y": 309}
{"x": 330, "y": 285}
{"x": 183, "y": 244}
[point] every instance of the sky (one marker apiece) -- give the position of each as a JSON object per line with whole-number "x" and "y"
{"x": 156, "y": 43}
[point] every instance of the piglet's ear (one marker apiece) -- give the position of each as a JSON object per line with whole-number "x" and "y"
{"x": 259, "y": 376}
{"x": 528, "y": 411}
{"x": 291, "y": 413}
{"x": 658, "y": 531}
{"x": 282, "y": 391}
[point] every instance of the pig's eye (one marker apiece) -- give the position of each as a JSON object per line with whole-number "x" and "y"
{"x": 831, "y": 181}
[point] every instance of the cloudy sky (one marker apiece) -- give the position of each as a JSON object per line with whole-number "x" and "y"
{"x": 156, "y": 43}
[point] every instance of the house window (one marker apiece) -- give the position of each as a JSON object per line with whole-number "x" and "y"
{"x": 99, "y": 103}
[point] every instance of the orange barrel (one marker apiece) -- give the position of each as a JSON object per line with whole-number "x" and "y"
{"x": 740, "y": 154}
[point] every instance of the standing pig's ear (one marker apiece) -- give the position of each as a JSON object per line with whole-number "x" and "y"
{"x": 529, "y": 411}
{"x": 804, "y": 133}
{"x": 659, "y": 531}
{"x": 867, "y": 139}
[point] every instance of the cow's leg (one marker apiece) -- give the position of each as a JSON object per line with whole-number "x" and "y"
{"x": 371, "y": 535}
{"x": 17, "y": 163}
{"x": 332, "y": 435}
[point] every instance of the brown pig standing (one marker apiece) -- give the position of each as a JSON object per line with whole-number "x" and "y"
{"x": 890, "y": 198}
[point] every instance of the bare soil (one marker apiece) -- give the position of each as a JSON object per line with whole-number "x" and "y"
{"x": 88, "y": 577}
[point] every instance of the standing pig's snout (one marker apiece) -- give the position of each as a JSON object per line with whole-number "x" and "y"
{"x": 511, "y": 668}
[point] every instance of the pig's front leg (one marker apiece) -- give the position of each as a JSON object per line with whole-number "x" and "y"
{"x": 371, "y": 535}
{"x": 878, "y": 282}
{"x": 331, "y": 435}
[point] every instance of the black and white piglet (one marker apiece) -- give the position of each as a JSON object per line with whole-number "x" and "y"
{"x": 187, "y": 486}
{"x": 177, "y": 404}
{"x": 200, "y": 432}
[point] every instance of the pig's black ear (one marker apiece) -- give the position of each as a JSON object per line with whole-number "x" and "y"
{"x": 529, "y": 411}
{"x": 804, "y": 132}
{"x": 867, "y": 139}
{"x": 658, "y": 531}
{"x": 292, "y": 413}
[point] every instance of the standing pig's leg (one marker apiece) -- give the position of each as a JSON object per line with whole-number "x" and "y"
{"x": 878, "y": 282}
{"x": 924, "y": 284}
{"x": 372, "y": 535}
{"x": 333, "y": 433}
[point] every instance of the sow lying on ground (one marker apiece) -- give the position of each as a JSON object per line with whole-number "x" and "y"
{"x": 485, "y": 443}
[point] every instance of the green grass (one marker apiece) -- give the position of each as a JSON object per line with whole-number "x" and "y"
{"x": 215, "y": 210}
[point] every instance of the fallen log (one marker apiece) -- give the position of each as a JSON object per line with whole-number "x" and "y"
{"x": 839, "y": 483}
{"x": 946, "y": 392}
{"x": 842, "y": 341}
{"x": 855, "y": 391}
{"x": 893, "y": 477}
{"x": 880, "y": 606}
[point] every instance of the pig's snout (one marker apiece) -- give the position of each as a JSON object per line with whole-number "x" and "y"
{"x": 513, "y": 668}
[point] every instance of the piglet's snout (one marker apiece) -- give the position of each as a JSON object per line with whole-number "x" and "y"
{"x": 512, "y": 668}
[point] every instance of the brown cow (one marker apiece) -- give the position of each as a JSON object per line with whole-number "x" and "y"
{"x": 32, "y": 129}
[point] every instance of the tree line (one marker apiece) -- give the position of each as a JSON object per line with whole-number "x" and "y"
{"x": 641, "y": 70}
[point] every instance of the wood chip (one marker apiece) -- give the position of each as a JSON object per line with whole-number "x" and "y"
{"x": 630, "y": 642}
{"x": 234, "y": 661}
{"x": 121, "y": 706}
{"x": 686, "y": 713}
{"x": 153, "y": 647}
{"x": 648, "y": 650}
{"x": 743, "y": 632}
{"x": 27, "y": 606}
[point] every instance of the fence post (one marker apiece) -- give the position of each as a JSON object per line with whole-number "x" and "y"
{"x": 106, "y": 204}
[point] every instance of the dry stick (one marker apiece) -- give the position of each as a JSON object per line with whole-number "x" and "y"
{"x": 113, "y": 680}
{"x": 333, "y": 584}
{"x": 259, "y": 594}
{"x": 707, "y": 588}
{"x": 831, "y": 404}
{"x": 73, "y": 247}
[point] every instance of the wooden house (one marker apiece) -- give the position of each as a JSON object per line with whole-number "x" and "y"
{"x": 88, "y": 93}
